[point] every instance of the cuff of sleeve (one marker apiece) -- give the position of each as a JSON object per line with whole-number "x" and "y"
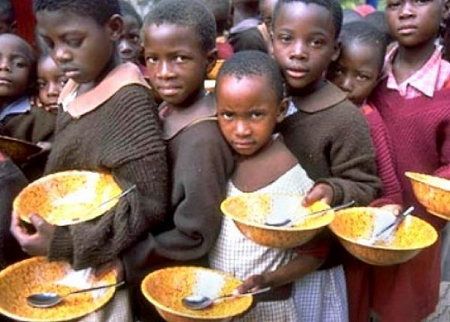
{"x": 61, "y": 246}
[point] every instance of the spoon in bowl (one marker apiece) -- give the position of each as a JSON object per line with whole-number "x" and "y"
{"x": 279, "y": 222}
{"x": 200, "y": 302}
{"x": 396, "y": 222}
{"x": 45, "y": 300}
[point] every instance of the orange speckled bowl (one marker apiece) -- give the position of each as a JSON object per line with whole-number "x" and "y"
{"x": 355, "y": 228}
{"x": 68, "y": 197}
{"x": 249, "y": 212}
{"x": 432, "y": 192}
{"x": 18, "y": 150}
{"x": 165, "y": 288}
{"x": 37, "y": 275}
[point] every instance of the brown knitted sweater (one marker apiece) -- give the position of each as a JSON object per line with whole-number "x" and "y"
{"x": 121, "y": 136}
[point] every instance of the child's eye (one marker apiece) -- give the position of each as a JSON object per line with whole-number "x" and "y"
{"x": 226, "y": 115}
{"x": 362, "y": 77}
{"x": 422, "y": 1}
{"x": 257, "y": 115}
{"x": 284, "y": 38}
{"x": 41, "y": 83}
{"x": 151, "y": 60}
{"x": 62, "y": 80}
{"x": 20, "y": 63}
{"x": 180, "y": 59}
{"x": 75, "y": 43}
{"x": 393, "y": 5}
{"x": 316, "y": 43}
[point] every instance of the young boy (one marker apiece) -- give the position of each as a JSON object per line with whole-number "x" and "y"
{"x": 357, "y": 72}
{"x": 8, "y": 21}
{"x": 249, "y": 104}
{"x": 106, "y": 124}
{"x": 50, "y": 81}
{"x": 413, "y": 101}
{"x": 179, "y": 42}
{"x": 130, "y": 47}
{"x": 325, "y": 131}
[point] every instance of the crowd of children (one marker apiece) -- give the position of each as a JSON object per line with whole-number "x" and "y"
{"x": 311, "y": 100}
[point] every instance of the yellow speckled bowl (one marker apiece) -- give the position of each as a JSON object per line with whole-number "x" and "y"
{"x": 68, "y": 197}
{"x": 18, "y": 150}
{"x": 432, "y": 192}
{"x": 249, "y": 212}
{"x": 355, "y": 229}
{"x": 37, "y": 275}
{"x": 166, "y": 288}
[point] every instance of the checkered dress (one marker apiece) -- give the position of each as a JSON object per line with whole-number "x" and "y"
{"x": 235, "y": 254}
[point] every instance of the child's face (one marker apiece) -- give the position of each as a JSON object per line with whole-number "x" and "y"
{"x": 79, "y": 45}
{"x": 176, "y": 62}
{"x": 356, "y": 71}
{"x": 15, "y": 67}
{"x": 248, "y": 111}
{"x": 130, "y": 47}
{"x": 304, "y": 43}
{"x": 266, "y": 8}
{"x": 50, "y": 82}
{"x": 414, "y": 22}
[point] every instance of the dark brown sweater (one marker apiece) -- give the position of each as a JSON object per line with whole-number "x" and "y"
{"x": 122, "y": 136}
{"x": 331, "y": 140}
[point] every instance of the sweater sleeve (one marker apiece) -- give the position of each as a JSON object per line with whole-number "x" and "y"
{"x": 384, "y": 156}
{"x": 352, "y": 159}
{"x": 201, "y": 174}
{"x": 133, "y": 151}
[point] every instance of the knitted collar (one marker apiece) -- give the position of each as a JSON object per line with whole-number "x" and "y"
{"x": 325, "y": 97}
{"x": 123, "y": 75}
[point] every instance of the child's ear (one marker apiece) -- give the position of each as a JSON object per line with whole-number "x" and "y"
{"x": 115, "y": 27}
{"x": 282, "y": 110}
{"x": 211, "y": 56}
{"x": 337, "y": 51}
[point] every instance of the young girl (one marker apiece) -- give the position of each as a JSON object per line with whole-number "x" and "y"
{"x": 413, "y": 101}
{"x": 357, "y": 72}
{"x": 106, "y": 124}
{"x": 250, "y": 103}
{"x": 179, "y": 42}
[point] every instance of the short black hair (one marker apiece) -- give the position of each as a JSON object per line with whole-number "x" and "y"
{"x": 379, "y": 21}
{"x": 100, "y": 10}
{"x": 363, "y": 33}
{"x": 333, "y": 6}
{"x": 350, "y": 15}
{"x": 250, "y": 63}
{"x": 221, "y": 9}
{"x": 127, "y": 9}
{"x": 7, "y": 11}
{"x": 188, "y": 13}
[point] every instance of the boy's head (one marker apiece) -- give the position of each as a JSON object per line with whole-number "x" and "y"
{"x": 360, "y": 63}
{"x": 305, "y": 40}
{"x": 378, "y": 20}
{"x": 349, "y": 16}
{"x": 413, "y": 23}
{"x": 130, "y": 45}
{"x": 17, "y": 67}
{"x": 249, "y": 95}
{"x": 80, "y": 35}
{"x": 266, "y": 8}
{"x": 50, "y": 81}
{"x": 180, "y": 49}
{"x": 7, "y": 17}
{"x": 221, "y": 9}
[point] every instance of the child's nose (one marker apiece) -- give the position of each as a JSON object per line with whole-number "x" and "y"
{"x": 406, "y": 9}
{"x": 62, "y": 55}
{"x": 242, "y": 128}
{"x": 164, "y": 70}
{"x": 53, "y": 89}
{"x": 299, "y": 51}
{"x": 347, "y": 85}
{"x": 5, "y": 65}
{"x": 124, "y": 46}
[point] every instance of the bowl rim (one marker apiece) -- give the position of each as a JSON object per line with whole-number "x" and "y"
{"x": 153, "y": 301}
{"x": 50, "y": 177}
{"x": 434, "y": 238}
{"x": 331, "y": 214}
{"x": 418, "y": 177}
{"x": 107, "y": 297}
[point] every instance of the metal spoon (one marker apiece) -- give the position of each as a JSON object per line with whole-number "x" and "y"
{"x": 44, "y": 300}
{"x": 278, "y": 222}
{"x": 396, "y": 222}
{"x": 200, "y": 302}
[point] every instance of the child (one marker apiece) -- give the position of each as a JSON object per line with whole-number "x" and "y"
{"x": 357, "y": 72}
{"x": 8, "y": 21}
{"x": 12, "y": 181}
{"x": 17, "y": 79}
{"x": 249, "y": 105}
{"x": 327, "y": 134}
{"x": 179, "y": 41}
{"x": 266, "y": 8}
{"x": 413, "y": 101}
{"x": 130, "y": 47}
{"x": 50, "y": 81}
{"x": 106, "y": 124}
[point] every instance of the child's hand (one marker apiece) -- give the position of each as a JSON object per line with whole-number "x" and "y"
{"x": 321, "y": 191}
{"x": 37, "y": 243}
{"x": 394, "y": 208}
{"x": 113, "y": 265}
{"x": 253, "y": 283}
